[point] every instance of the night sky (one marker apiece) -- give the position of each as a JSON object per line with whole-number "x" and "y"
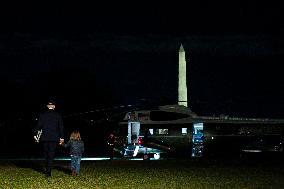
{"x": 95, "y": 56}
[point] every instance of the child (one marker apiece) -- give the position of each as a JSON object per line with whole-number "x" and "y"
{"x": 76, "y": 146}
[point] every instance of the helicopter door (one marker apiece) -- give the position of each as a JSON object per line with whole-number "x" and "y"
{"x": 133, "y": 132}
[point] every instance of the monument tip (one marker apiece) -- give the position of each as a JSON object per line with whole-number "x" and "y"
{"x": 181, "y": 49}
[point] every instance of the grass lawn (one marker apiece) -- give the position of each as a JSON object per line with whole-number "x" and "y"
{"x": 192, "y": 173}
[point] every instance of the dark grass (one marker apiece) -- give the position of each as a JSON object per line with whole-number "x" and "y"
{"x": 174, "y": 173}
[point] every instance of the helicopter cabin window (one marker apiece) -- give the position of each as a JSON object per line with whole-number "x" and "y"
{"x": 162, "y": 131}
{"x": 184, "y": 131}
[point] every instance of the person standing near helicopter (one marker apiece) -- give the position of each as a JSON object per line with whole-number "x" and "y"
{"x": 111, "y": 145}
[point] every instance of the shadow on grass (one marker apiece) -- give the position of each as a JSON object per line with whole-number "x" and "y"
{"x": 63, "y": 169}
{"x": 39, "y": 166}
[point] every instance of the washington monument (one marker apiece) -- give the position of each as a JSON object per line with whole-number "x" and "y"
{"x": 182, "y": 87}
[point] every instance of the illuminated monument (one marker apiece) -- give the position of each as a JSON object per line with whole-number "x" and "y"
{"x": 182, "y": 87}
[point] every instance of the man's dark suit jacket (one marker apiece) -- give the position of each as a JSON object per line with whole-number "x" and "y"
{"x": 52, "y": 126}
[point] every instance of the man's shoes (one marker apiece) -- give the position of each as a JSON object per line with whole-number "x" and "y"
{"x": 48, "y": 174}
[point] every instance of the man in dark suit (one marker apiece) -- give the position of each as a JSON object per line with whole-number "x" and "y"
{"x": 51, "y": 124}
